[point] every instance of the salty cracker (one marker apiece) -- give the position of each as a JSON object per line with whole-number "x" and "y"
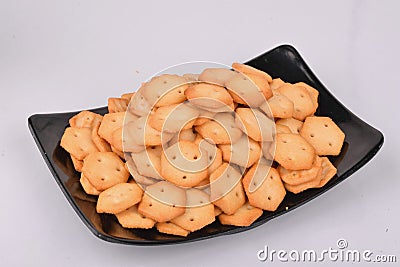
{"x": 216, "y": 75}
{"x": 312, "y": 91}
{"x": 226, "y": 189}
{"x": 323, "y": 134}
{"x": 246, "y": 69}
{"x": 280, "y": 128}
{"x": 148, "y": 162}
{"x": 119, "y": 198}
{"x": 295, "y": 189}
{"x": 244, "y": 91}
{"x": 276, "y": 83}
{"x": 244, "y": 216}
{"x": 164, "y": 90}
{"x": 171, "y": 229}
{"x": 110, "y": 123}
{"x": 264, "y": 187}
{"x": 78, "y": 142}
{"x": 280, "y": 106}
{"x": 199, "y": 211}
{"x": 88, "y": 187}
{"x": 137, "y": 177}
{"x": 207, "y": 95}
{"x": 118, "y": 152}
{"x": 138, "y": 105}
{"x": 328, "y": 171}
{"x": 221, "y": 130}
{"x": 300, "y": 176}
{"x": 255, "y": 124}
{"x": 104, "y": 170}
{"x": 131, "y": 218}
{"x": 303, "y": 105}
{"x": 163, "y": 201}
{"x": 245, "y": 152}
{"x": 117, "y": 104}
{"x": 173, "y": 118}
{"x": 293, "y": 152}
{"x": 101, "y": 144}
{"x": 184, "y": 164}
{"x": 143, "y": 134}
{"x": 184, "y": 135}
{"x": 78, "y": 164}
{"x": 293, "y": 124}
{"x": 85, "y": 119}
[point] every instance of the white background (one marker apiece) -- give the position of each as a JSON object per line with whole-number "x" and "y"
{"x": 60, "y": 56}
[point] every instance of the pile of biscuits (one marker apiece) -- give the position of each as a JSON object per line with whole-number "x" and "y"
{"x": 183, "y": 150}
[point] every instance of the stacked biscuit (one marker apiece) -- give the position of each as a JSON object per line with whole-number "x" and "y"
{"x": 184, "y": 150}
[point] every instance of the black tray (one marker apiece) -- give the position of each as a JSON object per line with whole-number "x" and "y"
{"x": 362, "y": 142}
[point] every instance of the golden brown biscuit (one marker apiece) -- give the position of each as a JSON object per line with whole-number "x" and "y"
{"x": 131, "y": 218}
{"x": 244, "y": 216}
{"x": 78, "y": 142}
{"x": 303, "y": 105}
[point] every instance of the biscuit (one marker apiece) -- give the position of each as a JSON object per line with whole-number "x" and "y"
{"x": 78, "y": 142}
{"x": 162, "y": 202}
{"x": 245, "y": 152}
{"x": 173, "y": 118}
{"x": 104, "y": 170}
{"x": 139, "y": 179}
{"x": 328, "y": 171}
{"x": 280, "y": 106}
{"x": 191, "y": 77}
{"x": 295, "y": 189}
{"x": 268, "y": 150}
{"x": 246, "y": 69}
{"x": 164, "y": 90}
{"x": 293, "y": 124}
{"x": 221, "y": 130}
{"x": 255, "y": 124}
{"x": 118, "y": 152}
{"x": 264, "y": 187}
{"x": 303, "y": 105}
{"x": 217, "y": 211}
{"x": 78, "y": 164}
{"x": 110, "y": 123}
{"x": 144, "y": 134}
{"x": 226, "y": 189}
{"x": 117, "y": 104}
{"x": 88, "y": 187}
{"x": 216, "y": 75}
{"x": 293, "y": 152}
{"x": 131, "y": 218}
{"x": 276, "y": 83}
{"x": 118, "y": 198}
{"x": 244, "y": 216}
{"x": 171, "y": 229}
{"x": 206, "y": 95}
{"x": 301, "y": 176}
{"x": 199, "y": 211}
{"x": 184, "y": 164}
{"x": 85, "y": 119}
{"x": 323, "y": 134}
{"x": 244, "y": 91}
{"x": 139, "y": 105}
{"x": 148, "y": 162}
{"x": 312, "y": 91}
{"x": 280, "y": 128}
{"x": 101, "y": 144}
{"x": 128, "y": 96}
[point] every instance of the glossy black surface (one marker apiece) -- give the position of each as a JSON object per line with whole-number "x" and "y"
{"x": 361, "y": 144}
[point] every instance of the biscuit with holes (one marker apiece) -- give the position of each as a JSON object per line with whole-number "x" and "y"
{"x": 199, "y": 211}
{"x": 255, "y": 124}
{"x": 303, "y": 105}
{"x": 117, "y": 104}
{"x": 280, "y": 106}
{"x": 184, "y": 135}
{"x": 119, "y": 198}
{"x": 88, "y": 187}
{"x": 245, "y": 152}
{"x": 293, "y": 152}
{"x": 214, "y": 154}
{"x": 137, "y": 177}
{"x": 244, "y": 216}
{"x": 104, "y": 170}
{"x": 293, "y": 124}
{"x": 184, "y": 164}
{"x": 171, "y": 229}
{"x": 78, "y": 142}
{"x": 221, "y": 130}
{"x": 280, "y": 128}
{"x": 206, "y": 95}
{"x": 173, "y": 118}
{"x": 164, "y": 90}
{"x": 163, "y": 201}
{"x": 244, "y": 91}
{"x": 131, "y": 218}
{"x": 264, "y": 187}
{"x": 139, "y": 105}
{"x": 327, "y": 173}
{"x": 276, "y": 83}
{"x": 216, "y": 75}
{"x": 312, "y": 91}
{"x": 85, "y": 119}
{"x": 226, "y": 189}
{"x": 101, "y": 144}
{"x": 323, "y": 134}
{"x": 118, "y": 152}
{"x": 295, "y": 189}
{"x": 110, "y": 123}
{"x": 148, "y": 162}
{"x": 78, "y": 164}
{"x": 246, "y": 69}
{"x": 144, "y": 134}
{"x": 300, "y": 176}
{"x": 268, "y": 150}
